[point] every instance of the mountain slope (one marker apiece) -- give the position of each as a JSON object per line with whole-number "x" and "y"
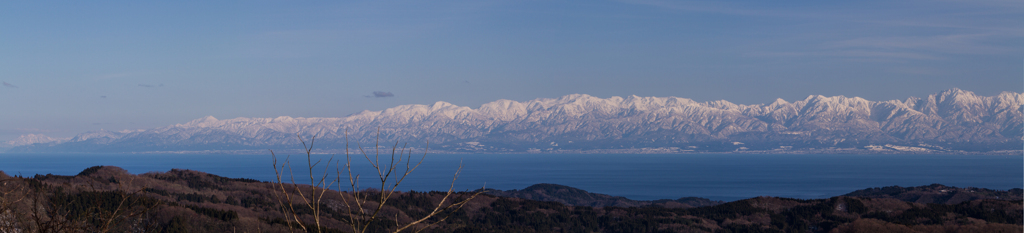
{"x": 29, "y": 139}
{"x": 951, "y": 120}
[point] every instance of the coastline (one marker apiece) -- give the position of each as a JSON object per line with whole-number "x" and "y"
{"x": 563, "y": 151}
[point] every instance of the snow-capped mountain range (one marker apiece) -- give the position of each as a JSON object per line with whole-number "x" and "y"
{"x": 29, "y": 139}
{"x": 951, "y": 120}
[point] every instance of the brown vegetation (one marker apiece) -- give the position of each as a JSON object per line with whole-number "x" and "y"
{"x": 363, "y": 208}
{"x": 578, "y": 197}
{"x": 109, "y": 199}
{"x": 937, "y": 193}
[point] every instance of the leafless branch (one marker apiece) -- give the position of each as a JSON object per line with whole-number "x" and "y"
{"x": 360, "y": 210}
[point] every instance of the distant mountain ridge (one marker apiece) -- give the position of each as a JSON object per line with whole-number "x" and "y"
{"x": 950, "y": 121}
{"x": 29, "y": 139}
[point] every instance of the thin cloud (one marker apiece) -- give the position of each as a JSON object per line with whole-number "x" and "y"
{"x": 26, "y": 130}
{"x": 713, "y": 7}
{"x": 114, "y": 76}
{"x": 10, "y": 85}
{"x": 887, "y": 55}
{"x": 900, "y": 48}
{"x": 855, "y": 54}
{"x": 955, "y": 27}
{"x": 150, "y": 86}
{"x": 947, "y": 44}
{"x": 380, "y": 94}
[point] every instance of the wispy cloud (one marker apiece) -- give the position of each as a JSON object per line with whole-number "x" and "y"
{"x": 709, "y": 6}
{"x": 114, "y": 76}
{"x": 889, "y": 48}
{"x": 884, "y": 55}
{"x": 930, "y": 31}
{"x": 1013, "y": 5}
{"x": 380, "y": 94}
{"x": 865, "y": 55}
{"x": 948, "y": 44}
{"x": 26, "y": 130}
{"x": 10, "y": 85}
{"x": 915, "y": 70}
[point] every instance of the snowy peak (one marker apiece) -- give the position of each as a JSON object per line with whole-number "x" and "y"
{"x": 104, "y": 135}
{"x": 964, "y": 106}
{"x": 504, "y": 110}
{"x": 201, "y": 122}
{"x": 778, "y": 102}
{"x": 950, "y": 118}
{"x": 29, "y": 139}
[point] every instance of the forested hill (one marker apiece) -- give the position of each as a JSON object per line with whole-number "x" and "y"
{"x": 110, "y": 199}
{"x": 578, "y": 197}
{"x": 940, "y": 194}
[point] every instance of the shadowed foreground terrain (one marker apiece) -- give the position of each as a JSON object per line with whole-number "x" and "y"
{"x": 578, "y": 197}
{"x": 108, "y": 199}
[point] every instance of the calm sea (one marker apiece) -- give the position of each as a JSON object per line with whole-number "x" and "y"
{"x": 725, "y": 177}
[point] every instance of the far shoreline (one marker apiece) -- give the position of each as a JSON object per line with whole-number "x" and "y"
{"x": 641, "y": 151}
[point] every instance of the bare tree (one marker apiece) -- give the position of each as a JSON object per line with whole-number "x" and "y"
{"x": 364, "y": 207}
{"x": 10, "y": 195}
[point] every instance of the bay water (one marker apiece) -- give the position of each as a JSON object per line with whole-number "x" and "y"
{"x": 726, "y": 177}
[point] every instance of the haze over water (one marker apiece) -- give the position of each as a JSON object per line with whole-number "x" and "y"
{"x": 725, "y": 177}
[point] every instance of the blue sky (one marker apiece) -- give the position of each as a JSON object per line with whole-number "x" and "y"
{"x": 71, "y": 67}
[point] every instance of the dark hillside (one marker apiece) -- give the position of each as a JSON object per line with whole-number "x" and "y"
{"x": 108, "y": 199}
{"x": 938, "y": 194}
{"x": 578, "y": 197}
